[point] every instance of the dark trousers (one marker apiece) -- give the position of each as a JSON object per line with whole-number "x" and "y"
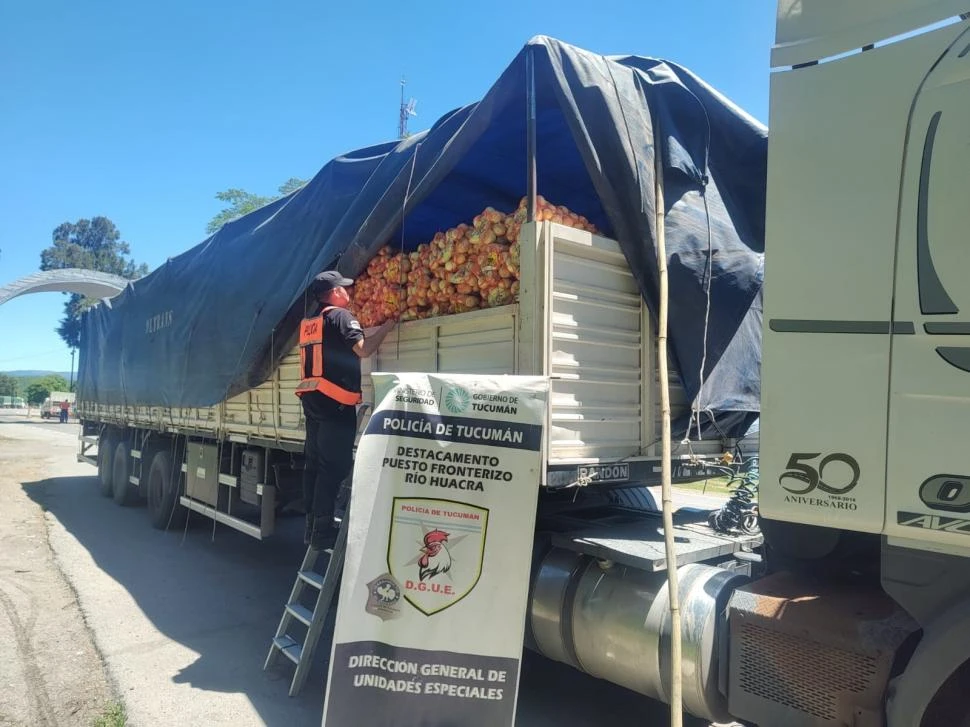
{"x": 63, "y": 415}
{"x": 329, "y": 453}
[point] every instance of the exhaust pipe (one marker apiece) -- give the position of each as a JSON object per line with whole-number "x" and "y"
{"x": 613, "y": 622}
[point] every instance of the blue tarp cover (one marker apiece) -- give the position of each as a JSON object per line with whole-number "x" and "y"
{"x": 215, "y": 320}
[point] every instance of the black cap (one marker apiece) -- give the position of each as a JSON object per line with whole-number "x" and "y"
{"x": 327, "y": 281}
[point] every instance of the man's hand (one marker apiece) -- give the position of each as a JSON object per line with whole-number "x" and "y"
{"x": 384, "y": 328}
{"x": 373, "y": 337}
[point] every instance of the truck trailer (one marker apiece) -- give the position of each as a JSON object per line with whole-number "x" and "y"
{"x": 165, "y": 375}
{"x": 854, "y": 606}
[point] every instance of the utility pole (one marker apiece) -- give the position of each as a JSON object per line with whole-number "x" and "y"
{"x": 71, "y": 387}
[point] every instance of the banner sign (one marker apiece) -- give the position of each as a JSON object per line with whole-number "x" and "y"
{"x": 435, "y": 588}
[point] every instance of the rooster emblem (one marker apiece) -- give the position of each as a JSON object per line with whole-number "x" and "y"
{"x": 435, "y": 558}
{"x": 421, "y": 550}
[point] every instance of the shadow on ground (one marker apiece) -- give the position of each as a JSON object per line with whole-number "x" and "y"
{"x": 220, "y": 593}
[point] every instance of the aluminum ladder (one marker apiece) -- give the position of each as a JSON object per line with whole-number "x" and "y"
{"x": 297, "y": 651}
{"x": 301, "y": 653}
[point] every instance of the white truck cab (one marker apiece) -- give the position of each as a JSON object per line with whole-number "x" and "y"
{"x": 866, "y": 358}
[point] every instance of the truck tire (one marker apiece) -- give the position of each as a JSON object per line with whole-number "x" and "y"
{"x": 936, "y": 680}
{"x": 163, "y": 491}
{"x": 124, "y": 493}
{"x": 950, "y": 706}
{"x": 106, "y": 449}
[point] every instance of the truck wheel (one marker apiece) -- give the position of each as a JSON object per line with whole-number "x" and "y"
{"x": 121, "y": 470}
{"x": 950, "y": 707}
{"x": 106, "y": 449}
{"x": 163, "y": 506}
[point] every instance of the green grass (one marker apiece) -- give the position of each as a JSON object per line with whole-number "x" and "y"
{"x": 113, "y": 716}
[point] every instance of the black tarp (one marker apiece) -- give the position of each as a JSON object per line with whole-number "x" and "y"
{"x": 214, "y": 320}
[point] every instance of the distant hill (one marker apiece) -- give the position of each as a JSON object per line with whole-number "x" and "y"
{"x": 30, "y": 373}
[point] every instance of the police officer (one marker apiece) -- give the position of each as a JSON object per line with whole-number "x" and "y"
{"x": 331, "y": 346}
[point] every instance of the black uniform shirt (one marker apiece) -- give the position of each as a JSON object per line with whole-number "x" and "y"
{"x": 341, "y": 365}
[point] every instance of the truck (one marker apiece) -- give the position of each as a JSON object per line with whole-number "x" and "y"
{"x": 194, "y": 414}
{"x": 51, "y": 408}
{"x": 853, "y": 606}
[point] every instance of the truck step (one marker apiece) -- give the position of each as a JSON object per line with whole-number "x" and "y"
{"x": 639, "y": 543}
{"x": 221, "y": 517}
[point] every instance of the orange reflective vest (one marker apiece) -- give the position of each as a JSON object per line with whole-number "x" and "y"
{"x": 311, "y": 363}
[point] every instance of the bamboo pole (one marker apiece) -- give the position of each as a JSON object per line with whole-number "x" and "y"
{"x": 676, "y": 695}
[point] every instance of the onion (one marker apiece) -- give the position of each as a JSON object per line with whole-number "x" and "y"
{"x": 461, "y": 269}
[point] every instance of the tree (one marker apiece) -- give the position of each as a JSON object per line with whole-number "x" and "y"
{"x": 41, "y": 388}
{"x": 93, "y": 244}
{"x": 53, "y": 382}
{"x": 9, "y": 386}
{"x": 242, "y": 202}
{"x": 36, "y": 394}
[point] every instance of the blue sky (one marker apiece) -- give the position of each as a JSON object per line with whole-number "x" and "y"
{"x": 143, "y": 111}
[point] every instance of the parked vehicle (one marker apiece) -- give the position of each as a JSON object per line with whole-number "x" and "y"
{"x": 53, "y": 405}
{"x": 852, "y": 607}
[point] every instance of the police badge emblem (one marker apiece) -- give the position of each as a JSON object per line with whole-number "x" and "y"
{"x": 384, "y": 597}
{"x": 435, "y": 549}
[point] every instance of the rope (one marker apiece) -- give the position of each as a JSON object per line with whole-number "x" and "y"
{"x": 215, "y": 507}
{"x": 402, "y": 287}
{"x": 708, "y": 273}
{"x": 277, "y": 383}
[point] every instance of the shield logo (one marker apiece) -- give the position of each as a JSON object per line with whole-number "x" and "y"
{"x": 435, "y": 550}
{"x": 383, "y": 597}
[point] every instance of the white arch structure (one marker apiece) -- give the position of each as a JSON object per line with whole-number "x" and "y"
{"x": 90, "y": 283}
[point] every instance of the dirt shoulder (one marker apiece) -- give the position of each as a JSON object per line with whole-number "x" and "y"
{"x": 51, "y": 672}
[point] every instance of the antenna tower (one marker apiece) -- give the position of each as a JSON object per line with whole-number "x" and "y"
{"x": 407, "y": 111}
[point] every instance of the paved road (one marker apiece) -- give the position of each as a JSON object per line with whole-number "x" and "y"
{"x": 34, "y": 420}
{"x": 183, "y": 619}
